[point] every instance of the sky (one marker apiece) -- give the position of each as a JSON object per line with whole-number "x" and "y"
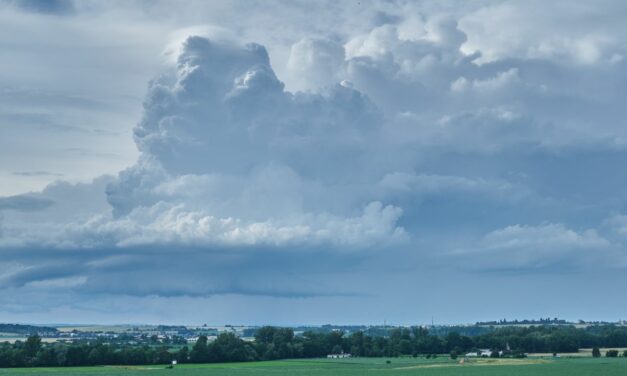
{"x": 299, "y": 162}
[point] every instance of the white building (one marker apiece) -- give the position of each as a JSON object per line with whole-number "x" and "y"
{"x": 482, "y": 353}
{"x": 338, "y": 356}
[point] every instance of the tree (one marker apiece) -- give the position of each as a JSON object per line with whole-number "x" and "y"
{"x": 596, "y": 353}
{"x": 453, "y": 354}
{"x": 265, "y": 334}
{"x": 183, "y": 355}
{"x": 32, "y": 345}
{"x": 283, "y": 338}
{"x": 200, "y": 351}
{"x": 404, "y": 347}
{"x": 358, "y": 343}
{"x": 75, "y": 356}
{"x": 163, "y": 356}
{"x": 334, "y": 339}
{"x": 453, "y": 339}
{"x": 45, "y": 357}
{"x": 95, "y": 357}
{"x": 611, "y": 353}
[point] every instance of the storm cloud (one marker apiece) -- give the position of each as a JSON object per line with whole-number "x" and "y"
{"x": 405, "y": 145}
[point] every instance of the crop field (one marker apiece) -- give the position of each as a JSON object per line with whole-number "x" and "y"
{"x": 358, "y": 367}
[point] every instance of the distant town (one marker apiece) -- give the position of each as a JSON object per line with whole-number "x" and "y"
{"x": 189, "y": 334}
{"x": 140, "y": 345}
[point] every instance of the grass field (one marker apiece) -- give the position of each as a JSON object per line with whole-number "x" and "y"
{"x": 358, "y": 367}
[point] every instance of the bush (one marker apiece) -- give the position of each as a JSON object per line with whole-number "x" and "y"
{"x": 611, "y": 353}
{"x": 625, "y": 354}
{"x": 453, "y": 354}
{"x": 596, "y": 353}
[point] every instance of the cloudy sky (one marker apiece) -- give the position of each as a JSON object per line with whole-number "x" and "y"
{"x": 319, "y": 162}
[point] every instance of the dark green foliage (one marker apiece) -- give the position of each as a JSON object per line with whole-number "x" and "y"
{"x": 200, "y": 351}
{"x": 596, "y": 352}
{"x": 27, "y": 329}
{"x": 32, "y": 346}
{"x": 183, "y": 355}
{"x": 612, "y": 354}
{"x": 281, "y": 343}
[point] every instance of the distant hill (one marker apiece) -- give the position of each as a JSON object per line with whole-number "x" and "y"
{"x": 26, "y": 329}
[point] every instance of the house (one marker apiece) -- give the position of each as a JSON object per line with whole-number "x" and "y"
{"x": 481, "y": 353}
{"x": 338, "y": 356}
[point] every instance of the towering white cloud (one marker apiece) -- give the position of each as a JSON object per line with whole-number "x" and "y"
{"x": 360, "y": 147}
{"x": 237, "y": 158}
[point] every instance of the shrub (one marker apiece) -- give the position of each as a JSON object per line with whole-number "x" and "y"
{"x": 611, "y": 353}
{"x": 596, "y": 353}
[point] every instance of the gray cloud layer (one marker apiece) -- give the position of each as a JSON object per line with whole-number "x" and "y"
{"x": 413, "y": 148}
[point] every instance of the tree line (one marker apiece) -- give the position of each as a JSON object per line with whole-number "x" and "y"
{"x": 281, "y": 343}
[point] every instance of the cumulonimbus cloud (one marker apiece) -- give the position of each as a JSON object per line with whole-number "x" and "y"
{"x": 400, "y": 135}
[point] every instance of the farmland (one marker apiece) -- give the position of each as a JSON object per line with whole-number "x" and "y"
{"x": 359, "y": 366}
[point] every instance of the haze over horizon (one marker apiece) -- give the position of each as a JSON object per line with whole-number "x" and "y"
{"x": 293, "y": 162}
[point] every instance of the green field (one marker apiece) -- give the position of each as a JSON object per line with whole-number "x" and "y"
{"x": 361, "y": 366}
